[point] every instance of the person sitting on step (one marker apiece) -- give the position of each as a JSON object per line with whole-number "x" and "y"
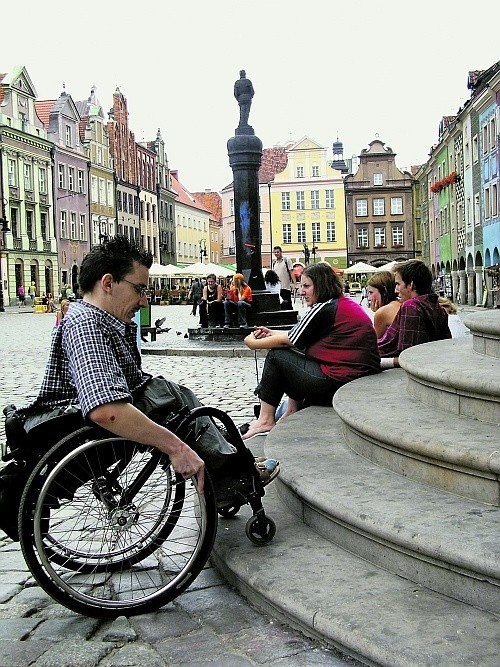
{"x": 238, "y": 301}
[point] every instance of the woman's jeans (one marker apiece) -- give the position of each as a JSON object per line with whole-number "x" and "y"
{"x": 288, "y": 371}
{"x": 241, "y": 307}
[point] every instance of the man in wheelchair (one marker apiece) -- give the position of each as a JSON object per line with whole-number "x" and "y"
{"x": 94, "y": 366}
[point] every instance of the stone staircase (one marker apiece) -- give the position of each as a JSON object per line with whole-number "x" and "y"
{"x": 388, "y": 512}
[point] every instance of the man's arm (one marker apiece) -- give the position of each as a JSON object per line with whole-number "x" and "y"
{"x": 126, "y": 421}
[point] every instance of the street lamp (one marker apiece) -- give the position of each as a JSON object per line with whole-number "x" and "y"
{"x": 307, "y": 254}
{"x": 4, "y": 228}
{"x": 203, "y": 250}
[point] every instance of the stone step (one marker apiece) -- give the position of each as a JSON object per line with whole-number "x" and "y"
{"x": 452, "y": 376}
{"x": 329, "y": 594}
{"x": 485, "y": 328}
{"x": 452, "y": 453}
{"x": 436, "y": 539}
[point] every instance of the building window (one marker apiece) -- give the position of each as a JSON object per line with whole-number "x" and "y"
{"x": 314, "y": 199}
{"x": 95, "y": 193}
{"x": 110, "y": 193}
{"x": 362, "y": 237}
{"x": 72, "y": 217}
{"x": 315, "y": 170}
{"x": 42, "y": 180}
{"x": 330, "y": 232}
{"x": 231, "y": 207}
{"x": 64, "y": 225}
{"x": 378, "y": 179}
{"x": 81, "y": 181}
{"x": 378, "y": 207}
{"x": 379, "y": 236}
{"x": 494, "y": 200}
{"x": 397, "y": 235}
{"x": 28, "y": 185}
{"x": 475, "y": 149}
{"x": 82, "y": 227}
{"x": 102, "y": 192}
{"x": 12, "y": 173}
{"x": 287, "y": 233}
{"x": 68, "y": 133}
{"x": 61, "y": 172}
{"x": 71, "y": 179}
{"x": 330, "y": 199}
{"x": 300, "y": 171}
{"x": 30, "y": 231}
{"x": 43, "y": 226}
{"x": 301, "y": 202}
{"x": 396, "y": 205}
{"x": 361, "y": 207}
{"x": 285, "y": 201}
{"x": 301, "y": 232}
{"x": 316, "y": 232}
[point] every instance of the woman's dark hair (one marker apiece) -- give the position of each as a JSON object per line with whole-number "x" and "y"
{"x": 415, "y": 271}
{"x": 115, "y": 256}
{"x": 327, "y": 284}
{"x": 386, "y": 285}
{"x": 271, "y": 277}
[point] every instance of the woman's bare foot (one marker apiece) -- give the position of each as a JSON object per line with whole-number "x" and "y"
{"x": 258, "y": 428}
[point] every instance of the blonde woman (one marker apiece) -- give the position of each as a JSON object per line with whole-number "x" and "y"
{"x": 238, "y": 301}
{"x": 63, "y": 309}
{"x": 383, "y": 300}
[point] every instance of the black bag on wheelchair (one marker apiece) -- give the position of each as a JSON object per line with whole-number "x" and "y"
{"x": 22, "y": 451}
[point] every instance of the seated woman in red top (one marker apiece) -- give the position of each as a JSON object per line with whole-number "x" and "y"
{"x": 239, "y": 300}
{"x": 332, "y": 344}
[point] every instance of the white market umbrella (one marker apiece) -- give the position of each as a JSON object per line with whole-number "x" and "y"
{"x": 360, "y": 267}
{"x": 201, "y": 269}
{"x": 163, "y": 271}
{"x": 387, "y": 267}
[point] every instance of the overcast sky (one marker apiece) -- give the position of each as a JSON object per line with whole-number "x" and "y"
{"x": 324, "y": 68}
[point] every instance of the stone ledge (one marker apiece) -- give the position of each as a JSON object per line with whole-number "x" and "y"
{"x": 436, "y": 539}
{"x": 452, "y": 453}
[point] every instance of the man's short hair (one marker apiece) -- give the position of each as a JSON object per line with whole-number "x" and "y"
{"x": 116, "y": 256}
{"x": 277, "y": 247}
{"x": 413, "y": 270}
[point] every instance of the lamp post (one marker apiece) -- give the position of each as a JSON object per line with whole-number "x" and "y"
{"x": 4, "y": 227}
{"x": 270, "y": 226}
{"x": 306, "y": 254}
{"x": 203, "y": 250}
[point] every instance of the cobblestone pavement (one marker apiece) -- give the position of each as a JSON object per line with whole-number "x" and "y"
{"x": 208, "y": 624}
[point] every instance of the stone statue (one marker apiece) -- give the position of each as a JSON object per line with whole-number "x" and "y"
{"x": 243, "y": 91}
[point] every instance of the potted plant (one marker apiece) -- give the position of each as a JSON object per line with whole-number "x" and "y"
{"x": 165, "y": 297}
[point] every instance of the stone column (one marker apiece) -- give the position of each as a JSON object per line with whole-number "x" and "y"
{"x": 471, "y": 292}
{"x": 454, "y": 285}
{"x": 245, "y": 152}
{"x": 462, "y": 290}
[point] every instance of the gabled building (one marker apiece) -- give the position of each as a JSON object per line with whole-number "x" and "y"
{"x": 213, "y": 202}
{"x": 29, "y": 253}
{"x": 379, "y": 209}
{"x": 192, "y": 224}
{"x": 148, "y": 199}
{"x": 308, "y": 206}
{"x": 102, "y": 195}
{"x": 124, "y": 153}
{"x": 71, "y": 186}
{"x": 166, "y": 202}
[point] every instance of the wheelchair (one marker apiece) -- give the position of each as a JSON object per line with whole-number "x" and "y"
{"x": 108, "y": 528}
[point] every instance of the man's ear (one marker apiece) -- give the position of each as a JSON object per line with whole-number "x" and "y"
{"x": 107, "y": 281}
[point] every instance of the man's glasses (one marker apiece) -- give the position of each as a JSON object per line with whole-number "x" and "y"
{"x": 140, "y": 289}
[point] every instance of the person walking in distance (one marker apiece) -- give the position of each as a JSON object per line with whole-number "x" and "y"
{"x": 283, "y": 269}
{"x": 21, "y": 295}
{"x": 195, "y": 294}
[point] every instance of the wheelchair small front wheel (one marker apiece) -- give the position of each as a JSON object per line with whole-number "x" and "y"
{"x": 260, "y": 530}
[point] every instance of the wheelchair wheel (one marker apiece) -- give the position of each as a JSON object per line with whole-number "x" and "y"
{"x": 107, "y": 528}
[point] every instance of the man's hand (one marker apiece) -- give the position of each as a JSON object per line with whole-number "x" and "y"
{"x": 188, "y": 464}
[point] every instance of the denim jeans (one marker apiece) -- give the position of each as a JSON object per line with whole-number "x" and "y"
{"x": 241, "y": 307}
{"x": 288, "y": 371}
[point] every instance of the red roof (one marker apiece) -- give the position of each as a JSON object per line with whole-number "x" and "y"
{"x": 274, "y": 160}
{"x": 43, "y": 109}
{"x": 212, "y": 201}
{"x": 183, "y": 195}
